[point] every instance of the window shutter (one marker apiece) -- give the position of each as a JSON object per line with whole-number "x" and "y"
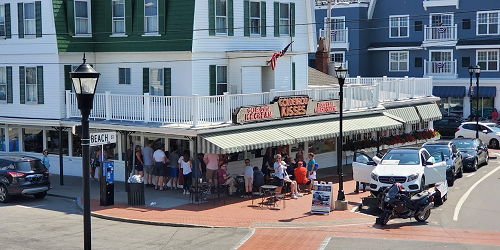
{"x": 39, "y": 84}
{"x": 108, "y": 17}
{"x": 418, "y": 62}
{"x": 167, "y": 78}
{"x": 292, "y": 19}
{"x": 466, "y": 62}
{"x": 22, "y": 81}
{"x": 128, "y": 17}
{"x": 276, "y": 19}
{"x": 70, "y": 17}
{"x": 161, "y": 16}
{"x": 20, "y": 20}
{"x": 293, "y": 75}
{"x": 145, "y": 80}
{"x": 38, "y": 18}
{"x": 140, "y": 19}
{"x": 246, "y": 18}
{"x": 211, "y": 17}
{"x": 263, "y": 25}
{"x": 9, "y": 84}
{"x": 8, "y": 32}
{"x": 418, "y": 26}
{"x": 230, "y": 18}
{"x": 67, "y": 79}
{"x": 213, "y": 83}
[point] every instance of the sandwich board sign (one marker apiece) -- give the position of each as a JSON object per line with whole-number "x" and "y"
{"x": 102, "y": 138}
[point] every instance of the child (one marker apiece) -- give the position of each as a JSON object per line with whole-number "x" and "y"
{"x": 248, "y": 174}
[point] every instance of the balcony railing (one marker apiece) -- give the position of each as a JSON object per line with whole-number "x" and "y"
{"x": 440, "y": 68}
{"x": 337, "y": 36}
{"x": 440, "y": 3}
{"x": 359, "y": 93}
{"x": 440, "y": 33}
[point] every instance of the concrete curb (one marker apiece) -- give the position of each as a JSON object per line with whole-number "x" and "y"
{"x": 62, "y": 196}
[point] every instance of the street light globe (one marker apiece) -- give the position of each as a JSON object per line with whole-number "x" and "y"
{"x": 471, "y": 70}
{"x": 84, "y": 79}
{"x": 477, "y": 70}
{"x": 341, "y": 72}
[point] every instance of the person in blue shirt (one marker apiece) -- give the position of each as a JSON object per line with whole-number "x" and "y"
{"x": 46, "y": 162}
{"x": 311, "y": 173}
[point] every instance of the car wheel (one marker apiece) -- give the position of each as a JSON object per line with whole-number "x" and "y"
{"x": 474, "y": 165}
{"x": 486, "y": 159}
{"x": 451, "y": 179}
{"x": 460, "y": 172}
{"x": 494, "y": 143}
{"x": 40, "y": 195}
{"x": 4, "y": 194}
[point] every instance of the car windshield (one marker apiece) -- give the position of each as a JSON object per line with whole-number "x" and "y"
{"x": 494, "y": 128}
{"x": 436, "y": 148}
{"x": 401, "y": 158}
{"x": 464, "y": 145}
{"x": 27, "y": 166}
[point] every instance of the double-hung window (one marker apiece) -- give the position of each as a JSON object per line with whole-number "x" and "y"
{"x": 398, "y": 26}
{"x": 151, "y": 16}
{"x": 156, "y": 82}
{"x": 221, "y": 80}
{"x": 82, "y": 17}
{"x": 221, "y": 16}
{"x": 31, "y": 85}
{"x": 3, "y": 84}
{"x": 124, "y": 75}
{"x": 487, "y": 60}
{"x": 284, "y": 20}
{"x": 118, "y": 16}
{"x": 29, "y": 19}
{"x": 255, "y": 18}
{"x": 398, "y": 61}
{"x": 2, "y": 21}
{"x": 488, "y": 22}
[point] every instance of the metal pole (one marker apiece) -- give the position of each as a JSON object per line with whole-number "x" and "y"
{"x": 340, "y": 171}
{"x": 329, "y": 29}
{"x": 127, "y": 163}
{"x": 477, "y": 106}
{"x": 470, "y": 94}
{"x": 61, "y": 165}
{"x": 85, "y": 176}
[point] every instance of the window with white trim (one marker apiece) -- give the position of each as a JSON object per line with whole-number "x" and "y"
{"x": 487, "y": 60}
{"x": 118, "y": 16}
{"x": 398, "y": 61}
{"x": 337, "y": 57}
{"x": 29, "y": 19}
{"x": 3, "y": 84}
{"x": 488, "y": 22}
{"x": 156, "y": 82}
{"x": 123, "y": 75}
{"x": 220, "y": 17}
{"x": 151, "y": 16}
{"x": 284, "y": 20}
{"x": 398, "y": 26}
{"x": 221, "y": 80}
{"x": 31, "y": 85}
{"x": 255, "y": 18}
{"x": 82, "y": 17}
{"x": 2, "y": 21}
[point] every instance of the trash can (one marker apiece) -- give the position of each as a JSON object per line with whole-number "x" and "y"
{"x": 136, "y": 194}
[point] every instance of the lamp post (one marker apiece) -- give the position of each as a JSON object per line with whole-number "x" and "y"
{"x": 341, "y": 73}
{"x": 477, "y": 70}
{"x": 84, "y": 82}
{"x": 471, "y": 71}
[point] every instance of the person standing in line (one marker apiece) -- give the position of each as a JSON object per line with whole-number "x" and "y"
{"x": 299, "y": 155}
{"x": 93, "y": 162}
{"x": 159, "y": 167}
{"x": 248, "y": 175}
{"x": 139, "y": 163}
{"x": 186, "y": 164}
{"x": 167, "y": 173}
{"x": 311, "y": 173}
{"x": 130, "y": 159}
{"x": 174, "y": 168}
{"x": 148, "y": 160}
{"x": 203, "y": 166}
{"x": 46, "y": 162}
{"x": 267, "y": 164}
{"x": 494, "y": 116}
{"x": 212, "y": 161}
{"x": 102, "y": 156}
{"x": 279, "y": 173}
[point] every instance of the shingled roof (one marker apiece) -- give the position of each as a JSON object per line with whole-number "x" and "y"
{"x": 318, "y": 78}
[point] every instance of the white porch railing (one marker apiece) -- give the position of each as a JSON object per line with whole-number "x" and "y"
{"x": 440, "y": 68}
{"x": 441, "y": 33}
{"x": 359, "y": 93}
{"x": 337, "y": 36}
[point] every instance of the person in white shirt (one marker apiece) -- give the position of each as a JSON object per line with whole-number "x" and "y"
{"x": 159, "y": 167}
{"x": 279, "y": 173}
{"x": 248, "y": 175}
{"x": 186, "y": 164}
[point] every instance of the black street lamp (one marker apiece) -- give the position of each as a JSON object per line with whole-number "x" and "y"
{"x": 477, "y": 70}
{"x": 471, "y": 71}
{"x": 341, "y": 73}
{"x": 85, "y": 82}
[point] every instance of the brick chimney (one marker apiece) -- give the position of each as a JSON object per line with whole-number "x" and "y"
{"x": 322, "y": 56}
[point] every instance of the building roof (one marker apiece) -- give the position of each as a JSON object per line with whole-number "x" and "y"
{"x": 318, "y": 78}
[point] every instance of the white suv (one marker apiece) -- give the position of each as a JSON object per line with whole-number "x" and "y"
{"x": 414, "y": 168}
{"x": 489, "y": 132}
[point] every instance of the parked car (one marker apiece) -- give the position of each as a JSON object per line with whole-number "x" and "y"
{"x": 414, "y": 168}
{"x": 22, "y": 175}
{"x": 488, "y": 132}
{"x": 474, "y": 152}
{"x": 453, "y": 158}
{"x": 447, "y": 126}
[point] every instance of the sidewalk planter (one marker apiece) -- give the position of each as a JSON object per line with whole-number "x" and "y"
{"x": 136, "y": 194}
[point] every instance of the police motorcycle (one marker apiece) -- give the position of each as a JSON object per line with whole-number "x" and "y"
{"x": 397, "y": 203}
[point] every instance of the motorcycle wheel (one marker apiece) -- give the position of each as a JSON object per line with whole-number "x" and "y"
{"x": 385, "y": 218}
{"x": 423, "y": 217}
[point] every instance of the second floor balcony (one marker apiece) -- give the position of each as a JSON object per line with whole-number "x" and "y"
{"x": 339, "y": 38}
{"x": 446, "y": 69}
{"x": 434, "y": 35}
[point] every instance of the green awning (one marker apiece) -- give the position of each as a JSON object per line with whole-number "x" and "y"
{"x": 429, "y": 112}
{"x": 407, "y": 114}
{"x": 256, "y": 138}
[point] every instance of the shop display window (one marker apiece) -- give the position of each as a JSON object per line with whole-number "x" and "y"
{"x": 53, "y": 142}
{"x": 32, "y": 140}
{"x": 322, "y": 146}
{"x": 2, "y": 140}
{"x": 13, "y": 140}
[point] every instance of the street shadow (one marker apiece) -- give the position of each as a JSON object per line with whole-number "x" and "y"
{"x": 305, "y": 215}
{"x": 57, "y": 204}
{"x": 398, "y": 225}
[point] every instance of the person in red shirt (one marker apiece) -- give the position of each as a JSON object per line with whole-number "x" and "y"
{"x": 301, "y": 176}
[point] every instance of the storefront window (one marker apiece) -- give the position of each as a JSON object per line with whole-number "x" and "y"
{"x": 13, "y": 140}
{"x": 32, "y": 140}
{"x": 2, "y": 139}
{"x": 452, "y": 106}
{"x": 77, "y": 145}
{"x": 322, "y": 146}
{"x": 53, "y": 142}
{"x": 485, "y": 106}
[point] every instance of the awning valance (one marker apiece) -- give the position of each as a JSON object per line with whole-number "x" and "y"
{"x": 408, "y": 114}
{"x": 448, "y": 91}
{"x": 484, "y": 91}
{"x": 429, "y": 112}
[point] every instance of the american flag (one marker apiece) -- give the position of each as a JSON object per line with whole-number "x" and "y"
{"x": 277, "y": 55}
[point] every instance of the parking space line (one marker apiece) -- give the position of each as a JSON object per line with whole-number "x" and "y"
{"x": 464, "y": 197}
{"x": 470, "y": 175}
{"x": 242, "y": 241}
{"x": 324, "y": 243}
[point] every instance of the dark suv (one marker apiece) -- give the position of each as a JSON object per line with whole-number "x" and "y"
{"x": 22, "y": 175}
{"x": 452, "y": 157}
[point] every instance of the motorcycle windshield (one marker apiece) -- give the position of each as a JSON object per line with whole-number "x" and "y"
{"x": 393, "y": 191}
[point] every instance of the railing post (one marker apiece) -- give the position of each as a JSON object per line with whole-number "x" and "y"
{"x": 455, "y": 62}
{"x": 358, "y": 80}
{"x": 425, "y": 67}
{"x": 194, "y": 107}
{"x": 398, "y": 89}
{"x": 349, "y": 97}
{"x": 428, "y": 89}
{"x": 413, "y": 86}
{"x": 347, "y": 37}
{"x": 312, "y": 94}
{"x": 384, "y": 78}
{"x": 272, "y": 94}
{"x": 68, "y": 103}
{"x": 425, "y": 32}
{"x": 147, "y": 103}
{"x": 376, "y": 96}
{"x": 227, "y": 107}
{"x": 108, "y": 105}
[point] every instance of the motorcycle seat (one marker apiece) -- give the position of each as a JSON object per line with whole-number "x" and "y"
{"x": 419, "y": 197}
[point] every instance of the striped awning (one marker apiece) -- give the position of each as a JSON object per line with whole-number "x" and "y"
{"x": 407, "y": 114}
{"x": 429, "y": 112}
{"x": 257, "y": 138}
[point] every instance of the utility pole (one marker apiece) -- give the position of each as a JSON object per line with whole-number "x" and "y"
{"x": 329, "y": 29}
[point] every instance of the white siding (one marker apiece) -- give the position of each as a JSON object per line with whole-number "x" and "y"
{"x": 252, "y": 77}
{"x": 301, "y": 72}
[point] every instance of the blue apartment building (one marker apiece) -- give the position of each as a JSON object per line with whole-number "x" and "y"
{"x": 420, "y": 38}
